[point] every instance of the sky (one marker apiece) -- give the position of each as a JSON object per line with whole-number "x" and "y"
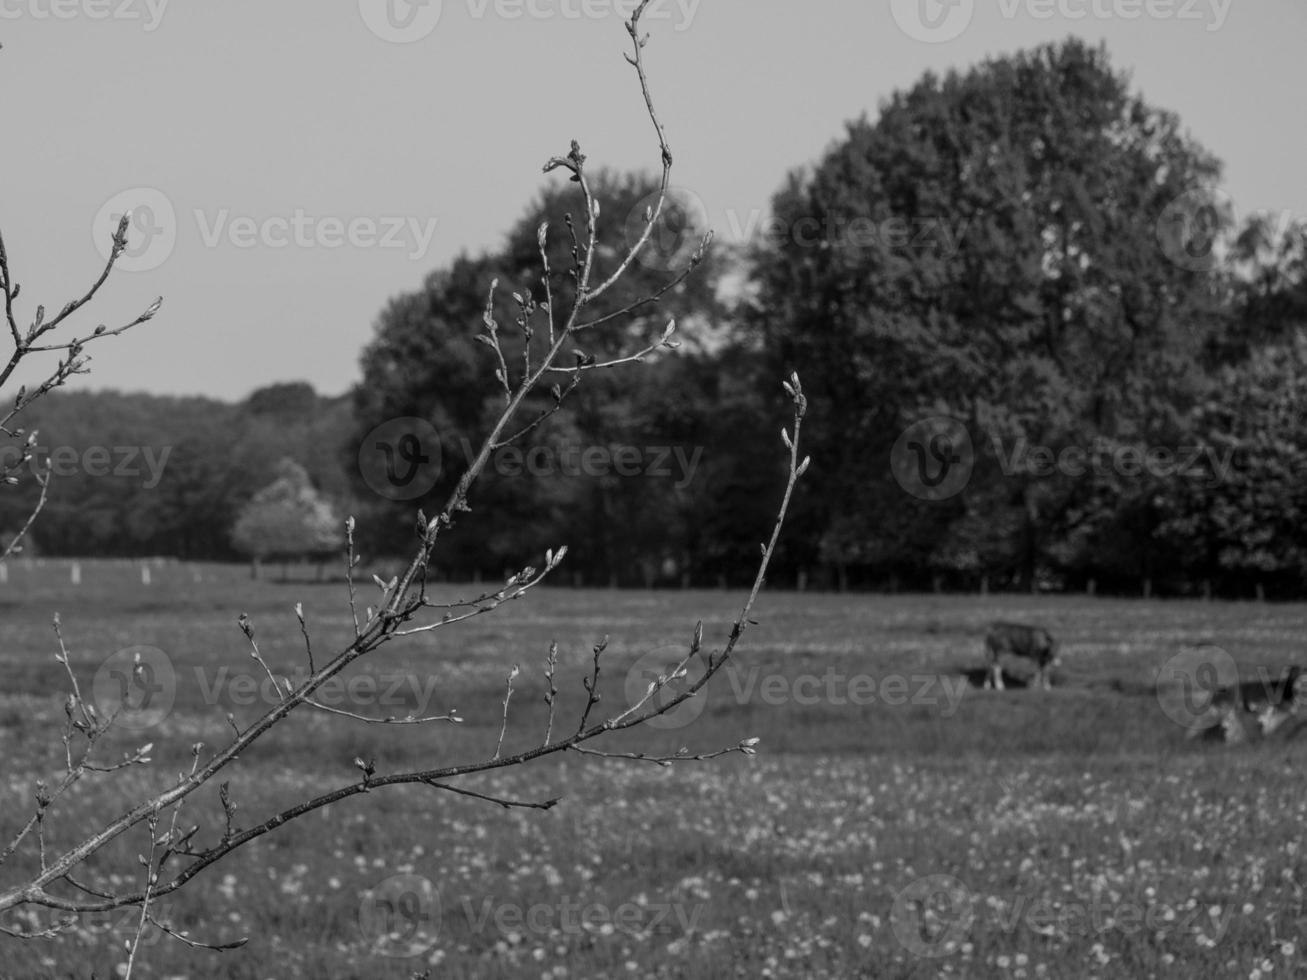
{"x": 293, "y": 164}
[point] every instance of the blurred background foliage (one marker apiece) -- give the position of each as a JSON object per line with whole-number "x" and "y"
{"x": 1027, "y": 247}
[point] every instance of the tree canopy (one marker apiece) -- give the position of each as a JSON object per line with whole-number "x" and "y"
{"x": 990, "y": 252}
{"x": 1038, "y": 348}
{"x": 288, "y": 518}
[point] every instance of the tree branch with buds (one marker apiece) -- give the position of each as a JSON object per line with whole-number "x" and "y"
{"x": 177, "y": 854}
{"x": 35, "y": 338}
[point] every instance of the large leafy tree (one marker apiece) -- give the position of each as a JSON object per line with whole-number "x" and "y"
{"x": 1268, "y": 287}
{"x": 1240, "y": 514}
{"x": 987, "y": 249}
{"x": 424, "y": 362}
{"x": 162, "y": 475}
{"x": 288, "y": 518}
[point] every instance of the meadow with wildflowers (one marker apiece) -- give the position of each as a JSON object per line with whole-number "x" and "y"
{"x": 894, "y": 819}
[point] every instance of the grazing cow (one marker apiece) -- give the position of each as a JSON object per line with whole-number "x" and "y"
{"x": 1018, "y": 640}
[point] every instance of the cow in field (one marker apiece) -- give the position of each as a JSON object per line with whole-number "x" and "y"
{"x": 1018, "y": 640}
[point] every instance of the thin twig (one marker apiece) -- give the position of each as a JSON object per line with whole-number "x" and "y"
{"x": 551, "y": 695}
{"x": 394, "y": 617}
{"x": 508, "y": 694}
{"x": 43, "y": 480}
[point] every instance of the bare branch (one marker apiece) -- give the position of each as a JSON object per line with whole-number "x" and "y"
{"x": 551, "y": 695}
{"x": 175, "y": 857}
{"x": 14, "y": 545}
{"x": 508, "y": 694}
{"x": 452, "y": 717}
{"x": 501, "y": 801}
{"x": 351, "y": 562}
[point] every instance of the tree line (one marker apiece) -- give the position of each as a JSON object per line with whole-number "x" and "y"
{"x": 1040, "y": 348}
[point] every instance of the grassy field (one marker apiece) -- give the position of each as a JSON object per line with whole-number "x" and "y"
{"x": 896, "y": 822}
